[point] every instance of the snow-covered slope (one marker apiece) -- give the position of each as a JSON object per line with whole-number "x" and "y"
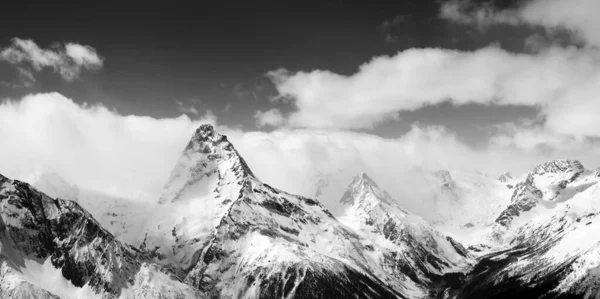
{"x": 422, "y": 252}
{"x": 54, "y": 247}
{"x": 463, "y": 204}
{"x": 548, "y": 246}
{"x": 540, "y": 191}
{"x": 467, "y": 199}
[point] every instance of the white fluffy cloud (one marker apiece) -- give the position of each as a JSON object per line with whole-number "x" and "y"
{"x": 68, "y": 60}
{"x": 187, "y": 109}
{"x": 132, "y": 156}
{"x": 563, "y": 82}
{"x": 90, "y": 146}
{"x": 272, "y": 117}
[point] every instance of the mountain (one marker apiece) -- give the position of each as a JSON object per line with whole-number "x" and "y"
{"x": 541, "y": 190}
{"x": 462, "y": 204}
{"x": 122, "y": 217}
{"x": 230, "y": 235}
{"x": 54, "y": 248}
{"x": 422, "y": 252}
{"x": 217, "y": 231}
{"x": 51, "y": 183}
{"x": 548, "y": 246}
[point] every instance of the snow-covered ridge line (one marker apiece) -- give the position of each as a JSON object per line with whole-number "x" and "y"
{"x": 218, "y": 231}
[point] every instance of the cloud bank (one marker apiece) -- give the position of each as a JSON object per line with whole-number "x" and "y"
{"x": 272, "y": 117}
{"x": 90, "y": 146}
{"x": 562, "y": 82}
{"x": 69, "y": 60}
{"x": 132, "y": 156}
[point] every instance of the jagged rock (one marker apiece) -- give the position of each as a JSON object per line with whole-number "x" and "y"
{"x": 505, "y": 177}
{"x": 547, "y": 182}
{"x": 35, "y": 228}
{"x": 230, "y": 235}
{"x": 420, "y": 251}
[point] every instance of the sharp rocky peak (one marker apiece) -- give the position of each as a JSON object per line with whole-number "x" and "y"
{"x": 207, "y": 153}
{"x": 364, "y": 179}
{"x": 362, "y": 187}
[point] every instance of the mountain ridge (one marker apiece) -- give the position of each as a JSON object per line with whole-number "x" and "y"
{"x": 218, "y": 231}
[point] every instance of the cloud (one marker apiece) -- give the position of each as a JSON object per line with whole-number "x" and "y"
{"x": 272, "y": 117}
{"x": 85, "y": 56}
{"x": 294, "y": 159}
{"x": 465, "y": 12}
{"x": 91, "y": 146}
{"x": 562, "y": 82}
{"x": 132, "y": 156}
{"x": 578, "y": 16}
{"x": 68, "y": 60}
{"x": 187, "y": 109}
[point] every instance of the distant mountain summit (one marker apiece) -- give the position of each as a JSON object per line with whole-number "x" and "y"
{"x": 363, "y": 188}
{"x": 548, "y": 183}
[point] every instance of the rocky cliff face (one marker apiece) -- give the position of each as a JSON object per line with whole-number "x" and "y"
{"x": 548, "y": 184}
{"x": 36, "y": 229}
{"x": 230, "y": 235}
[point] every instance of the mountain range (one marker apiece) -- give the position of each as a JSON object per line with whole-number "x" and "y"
{"x": 218, "y": 231}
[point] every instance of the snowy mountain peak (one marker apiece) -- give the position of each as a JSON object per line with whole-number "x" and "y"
{"x": 421, "y": 251}
{"x": 363, "y": 178}
{"x": 549, "y": 183}
{"x": 363, "y": 188}
{"x": 205, "y": 131}
{"x": 558, "y": 166}
{"x": 208, "y": 153}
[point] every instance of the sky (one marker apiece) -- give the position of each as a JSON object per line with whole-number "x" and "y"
{"x": 107, "y": 95}
{"x": 164, "y": 60}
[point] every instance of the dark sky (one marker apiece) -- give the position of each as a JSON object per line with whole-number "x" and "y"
{"x": 215, "y": 56}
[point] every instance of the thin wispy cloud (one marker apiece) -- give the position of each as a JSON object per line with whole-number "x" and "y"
{"x": 68, "y": 60}
{"x": 186, "y": 108}
{"x": 577, "y": 16}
